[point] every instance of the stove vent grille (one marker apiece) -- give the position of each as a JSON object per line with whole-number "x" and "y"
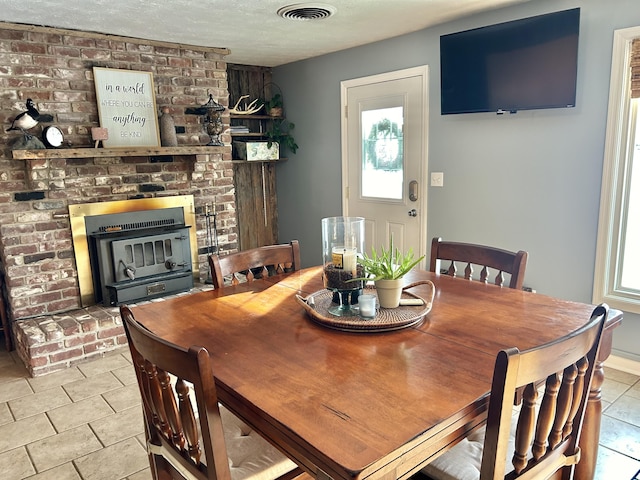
{"x": 123, "y": 227}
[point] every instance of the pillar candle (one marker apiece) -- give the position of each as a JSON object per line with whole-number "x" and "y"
{"x": 345, "y": 258}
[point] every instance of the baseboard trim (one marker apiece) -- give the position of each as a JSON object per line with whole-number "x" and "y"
{"x": 623, "y": 364}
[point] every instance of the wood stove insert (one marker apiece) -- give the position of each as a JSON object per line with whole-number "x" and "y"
{"x": 139, "y": 255}
{"x": 133, "y": 250}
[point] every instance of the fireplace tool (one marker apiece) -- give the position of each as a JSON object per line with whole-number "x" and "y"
{"x": 212, "y": 235}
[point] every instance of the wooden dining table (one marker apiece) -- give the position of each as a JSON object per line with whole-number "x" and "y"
{"x": 368, "y": 405}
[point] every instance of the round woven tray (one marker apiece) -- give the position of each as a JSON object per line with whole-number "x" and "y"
{"x": 386, "y": 319}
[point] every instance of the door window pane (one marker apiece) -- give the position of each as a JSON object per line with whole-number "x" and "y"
{"x": 382, "y": 167}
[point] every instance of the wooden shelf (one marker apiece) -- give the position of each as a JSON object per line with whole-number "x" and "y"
{"x": 237, "y": 160}
{"x": 114, "y": 152}
{"x": 261, "y": 118}
{"x": 254, "y": 117}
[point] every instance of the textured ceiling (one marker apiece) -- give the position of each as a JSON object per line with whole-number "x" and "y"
{"x": 251, "y": 29}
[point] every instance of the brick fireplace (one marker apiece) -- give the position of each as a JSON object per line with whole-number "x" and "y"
{"x": 52, "y": 328}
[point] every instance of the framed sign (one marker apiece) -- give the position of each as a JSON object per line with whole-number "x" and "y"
{"x": 127, "y": 107}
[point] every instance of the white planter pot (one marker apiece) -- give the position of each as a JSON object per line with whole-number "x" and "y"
{"x": 389, "y": 292}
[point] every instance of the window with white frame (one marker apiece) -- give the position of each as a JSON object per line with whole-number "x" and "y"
{"x": 617, "y": 272}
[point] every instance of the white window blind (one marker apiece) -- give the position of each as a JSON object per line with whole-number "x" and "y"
{"x": 635, "y": 68}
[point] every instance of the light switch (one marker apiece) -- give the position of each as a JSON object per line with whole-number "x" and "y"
{"x": 437, "y": 179}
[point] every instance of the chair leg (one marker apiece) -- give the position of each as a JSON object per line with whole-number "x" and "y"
{"x": 160, "y": 468}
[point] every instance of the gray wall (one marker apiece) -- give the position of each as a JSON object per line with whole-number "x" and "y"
{"x": 527, "y": 181}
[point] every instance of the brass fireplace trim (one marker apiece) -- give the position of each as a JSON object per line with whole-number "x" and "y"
{"x": 77, "y": 214}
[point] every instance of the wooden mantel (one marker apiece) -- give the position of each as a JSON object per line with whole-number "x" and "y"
{"x": 114, "y": 152}
{"x": 46, "y": 167}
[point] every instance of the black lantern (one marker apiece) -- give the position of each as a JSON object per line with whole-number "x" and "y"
{"x": 212, "y": 120}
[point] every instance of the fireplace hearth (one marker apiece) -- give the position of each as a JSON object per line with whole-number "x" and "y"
{"x": 156, "y": 240}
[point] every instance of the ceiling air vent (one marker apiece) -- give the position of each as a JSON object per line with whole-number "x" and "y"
{"x": 307, "y": 11}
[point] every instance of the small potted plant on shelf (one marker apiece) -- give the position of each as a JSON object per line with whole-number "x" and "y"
{"x": 280, "y": 133}
{"x": 274, "y": 106}
{"x": 387, "y": 270}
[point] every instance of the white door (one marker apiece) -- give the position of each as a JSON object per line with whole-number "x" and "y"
{"x": 384, "y": 157}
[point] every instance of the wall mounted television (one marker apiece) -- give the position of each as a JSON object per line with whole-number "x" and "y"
{"x": 523, "y": 64}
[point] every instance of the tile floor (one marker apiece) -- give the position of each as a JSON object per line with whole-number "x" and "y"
{"x": 86, "y": 423}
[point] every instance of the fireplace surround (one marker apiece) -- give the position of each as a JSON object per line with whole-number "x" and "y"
{"x": 55, "y": 341}
{"x": 90, "y": 219}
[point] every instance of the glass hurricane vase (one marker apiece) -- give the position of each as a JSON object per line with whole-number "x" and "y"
{"x": 342, "y": 244}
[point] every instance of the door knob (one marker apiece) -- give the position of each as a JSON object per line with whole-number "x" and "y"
{"x": 413, "y": 212}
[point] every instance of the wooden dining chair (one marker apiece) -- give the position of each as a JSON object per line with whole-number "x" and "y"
{"x": 534, "y": 439}
{"x": 255, "y": 263}
{"x": 503, "y": 261}
{"x": 204, "y": 441}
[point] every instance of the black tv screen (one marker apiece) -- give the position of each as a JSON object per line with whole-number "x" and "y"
{"x": 519, "y": 65}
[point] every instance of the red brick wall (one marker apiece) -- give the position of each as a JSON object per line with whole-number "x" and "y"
{"x": 54, "y": 68}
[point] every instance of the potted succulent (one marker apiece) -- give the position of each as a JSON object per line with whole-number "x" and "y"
{"x": 387, "y": 269}
{"x": 280, "y": 132}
